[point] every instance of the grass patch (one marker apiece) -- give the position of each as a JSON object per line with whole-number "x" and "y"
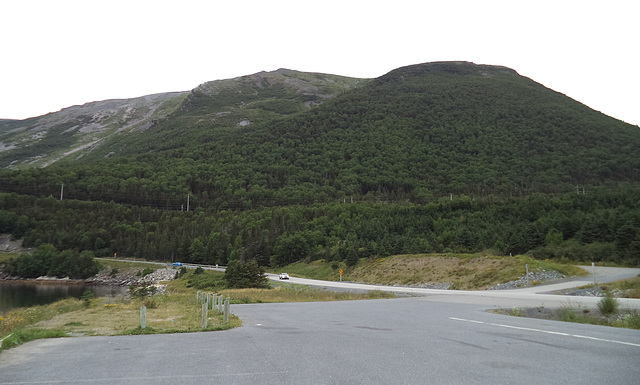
{"x": 571, "y": 314}
{"x": 467, "y": 271}
{"x": 125, "y": 266}
{"x": 622, "y": 318}
{"x": 5, "y": 257}
{"x": 630, "y": 320}
{"x": 23, "y": 317}
{"x": 21, "y": 336}
{"x": 627, "y": 288}
{"x": 175, "y": 311}
{"x": 283, "y": 292}
{"x": 515, "y": 311}
{"x": 320, "y": 269}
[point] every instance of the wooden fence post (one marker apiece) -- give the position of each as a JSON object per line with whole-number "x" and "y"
{"x": 226, "y": 310}
{"x": 205, "y": 315}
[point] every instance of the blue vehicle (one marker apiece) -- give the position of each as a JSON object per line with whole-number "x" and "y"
{"x": 177, "y": 264}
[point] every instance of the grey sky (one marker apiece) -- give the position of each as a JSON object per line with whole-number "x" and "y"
{"x": 65, "y": 52}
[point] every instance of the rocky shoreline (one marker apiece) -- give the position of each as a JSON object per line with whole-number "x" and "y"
{"x": 104, "y": 277}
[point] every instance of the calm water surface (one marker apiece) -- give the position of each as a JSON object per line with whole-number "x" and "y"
{"x": 24, "y": 294}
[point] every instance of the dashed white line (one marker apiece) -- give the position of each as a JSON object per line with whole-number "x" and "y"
{"x": 545, "y": 331}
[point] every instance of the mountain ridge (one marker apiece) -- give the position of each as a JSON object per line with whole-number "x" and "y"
{"x": 434, "y": 157}
{"x": 138, "y": 114}
{"x": 419, "y": 130}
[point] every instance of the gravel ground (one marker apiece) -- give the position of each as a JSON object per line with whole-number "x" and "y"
{"x": 595, "y": 291}
{"x": 533, "y": 278}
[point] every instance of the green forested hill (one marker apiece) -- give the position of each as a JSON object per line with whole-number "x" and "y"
{"x": 416, "y": 133}
{"x": 436, "y": 157}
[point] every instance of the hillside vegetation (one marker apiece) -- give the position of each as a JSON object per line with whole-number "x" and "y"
{"x": 76, "y": 131}
{"x": 453, "y": 271}
{"x": 285, "y": 166}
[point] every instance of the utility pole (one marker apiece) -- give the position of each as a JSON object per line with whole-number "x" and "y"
{"x": 61, "y": 191}
{"x": 188, "y": 202}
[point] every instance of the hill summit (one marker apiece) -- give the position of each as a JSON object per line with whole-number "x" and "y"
{"x": 285, "y": 166}
{"x": 418, "y": 132}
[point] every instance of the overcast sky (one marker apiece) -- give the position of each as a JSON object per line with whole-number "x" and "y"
{"x": 58, "y": 53}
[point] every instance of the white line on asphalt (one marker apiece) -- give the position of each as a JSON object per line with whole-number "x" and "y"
{"x": 546, "y": 331}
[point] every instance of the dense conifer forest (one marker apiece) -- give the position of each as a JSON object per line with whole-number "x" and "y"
{"x": 428, "y": 158}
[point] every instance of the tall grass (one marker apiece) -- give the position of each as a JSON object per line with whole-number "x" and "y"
{"x": 630, "y": 288}
{"x": 627, "y": 318}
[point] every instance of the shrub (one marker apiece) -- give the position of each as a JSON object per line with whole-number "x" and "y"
{"x": 181, "y": 272}
{"x": 142, "y": 291}
{"x": 515, "y": 311}
{"x": 145, "y": 272}
{"x": 150, "y": 303}
{"x": 207, "y": 280}
{"x": 245, "y": 275}
{"x": 608, "y": 305}
{"x": 87, "y": 296}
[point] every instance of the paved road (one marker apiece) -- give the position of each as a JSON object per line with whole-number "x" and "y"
{"x": 396, "y": 341}
{"x": 525, "y": 297}
{"x": 439, "y": 337}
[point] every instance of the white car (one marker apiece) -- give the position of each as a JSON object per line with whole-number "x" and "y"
{"x": 283, "y": 276}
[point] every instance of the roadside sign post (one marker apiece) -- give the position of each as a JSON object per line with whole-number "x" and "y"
{"x": 340, "y": 275}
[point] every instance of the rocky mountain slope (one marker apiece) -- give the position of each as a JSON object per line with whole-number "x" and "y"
{"x": 81, "y": 130}
{"x": 43, "y": 140}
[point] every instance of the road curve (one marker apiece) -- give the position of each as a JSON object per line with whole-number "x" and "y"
{"x": 541, "y": 295}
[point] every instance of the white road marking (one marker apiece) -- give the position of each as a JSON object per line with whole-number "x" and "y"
{"x": 546, "y": 331}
